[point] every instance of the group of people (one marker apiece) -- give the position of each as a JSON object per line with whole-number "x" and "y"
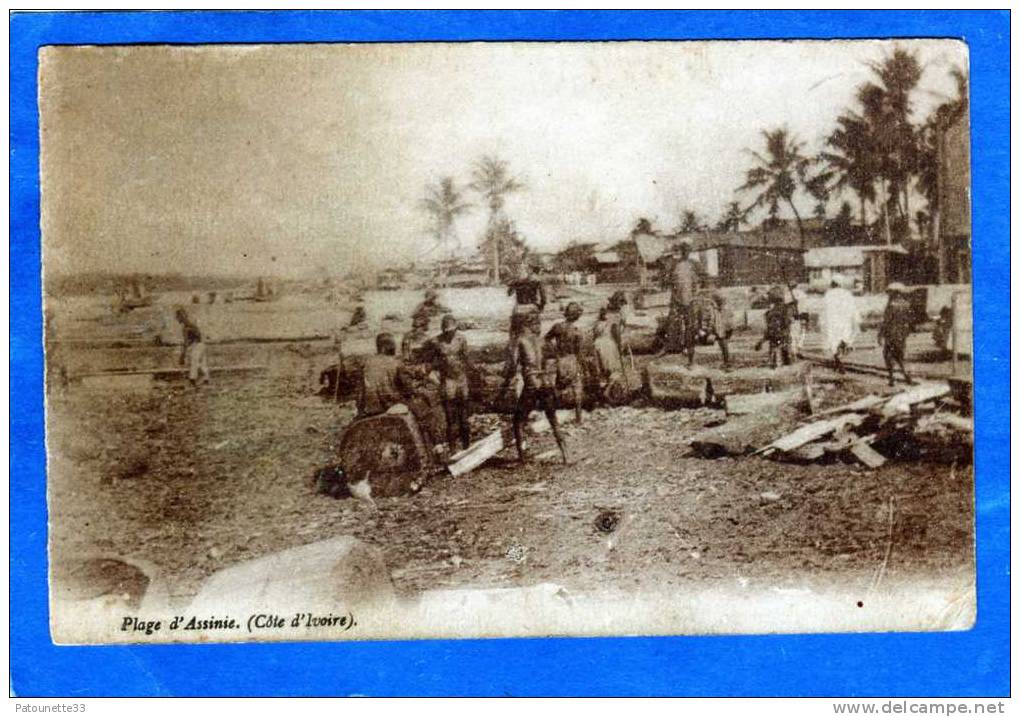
{"x": 546, "y": 371}
{"x": 387, "y": 379}
{"x": 555, "y": 368}
{"x": 693, "y": 317}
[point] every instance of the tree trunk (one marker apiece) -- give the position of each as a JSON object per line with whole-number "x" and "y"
{"x": 864, "y": 212}
{"x": 495, "y": 249}
{"x": 885, "y": 212}
{"x": 906, "y": 204}
{"x": 800, "y": 224}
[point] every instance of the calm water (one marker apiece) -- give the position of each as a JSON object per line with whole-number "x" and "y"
{"x": 292, "y": 315}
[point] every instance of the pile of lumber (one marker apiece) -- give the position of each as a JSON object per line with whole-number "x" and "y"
{"x": 872, "y": 429}
{"x": 923, "y": 421}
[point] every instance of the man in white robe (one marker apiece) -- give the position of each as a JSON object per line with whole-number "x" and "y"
{"x": 840, "y": 322}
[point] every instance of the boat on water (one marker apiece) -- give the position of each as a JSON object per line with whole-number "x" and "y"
{"x": 135, "y": 297}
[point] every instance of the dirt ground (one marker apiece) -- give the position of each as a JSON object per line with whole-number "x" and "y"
{"x": 196, "y": 480}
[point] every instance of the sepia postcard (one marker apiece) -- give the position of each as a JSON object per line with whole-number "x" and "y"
{"x": 456, "y": 340}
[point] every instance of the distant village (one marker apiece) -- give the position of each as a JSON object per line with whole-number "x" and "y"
{"x": 877, "y": 155}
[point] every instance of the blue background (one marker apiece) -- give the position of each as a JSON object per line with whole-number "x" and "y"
{"x": 967, "y": 663}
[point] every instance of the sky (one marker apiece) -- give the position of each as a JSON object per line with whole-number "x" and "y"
{"x": 302, "y": 160}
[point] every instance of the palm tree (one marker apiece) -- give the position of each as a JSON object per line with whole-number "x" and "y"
{"x": 887, "y": 109}
{"x": 491, "y": 178}
{"x": 643, "y": 226}
{"x": 849, "y": 162}
{"x": 690, "y": 222}
{"x": 732, "y": 219}
{"x": 444, "y": 202}
{"x": 778, "y": 174}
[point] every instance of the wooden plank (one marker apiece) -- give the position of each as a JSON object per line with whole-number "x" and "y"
{"x": 812, "y": 432}
{"x": 861, "y": 404}
{"x": 867, "y": 455}
{"x": 902, "y": 402}
{"x": 476, "y": 454}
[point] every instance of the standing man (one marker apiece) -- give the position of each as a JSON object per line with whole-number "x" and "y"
{"x": 192, "y": 349}
{"x": 684, "y": 278}
{"x": 564, "y": 342}
{"x": 449, "y": 354}
{"x": 538, "y": 391}
{"x": 529, "y": 297}
{"x": 839, "y": 322}
{"x": 721, "y": 327}
{"x": 897, "y": 323}
{"x": 529, "y": 301}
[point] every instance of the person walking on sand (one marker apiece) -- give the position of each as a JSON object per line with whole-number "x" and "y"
{"x": 538, "y": 392}
{"x": 449, "y": 355}
{"x": 193, "y": 351}
{"x": 840, "y": 322}
{"x": 897, "y": 323}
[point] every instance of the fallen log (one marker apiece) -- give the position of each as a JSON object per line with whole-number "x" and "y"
{"x": 741, "y": 404}
{"x": 742, "y": 435}
{"x": 669, "y": 379}
{"x": 140, "y": 378}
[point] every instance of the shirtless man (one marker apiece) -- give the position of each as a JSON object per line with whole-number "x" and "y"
{"x": 449, "y": 354}
{"x": 538, "y": 391}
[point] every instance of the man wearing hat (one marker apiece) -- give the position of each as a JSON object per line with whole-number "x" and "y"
{"x": 684, "y": 277}
{"x": 449, "y": 354}
{"x": 563, "y": 348}
{"x": 897, "y": 323}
